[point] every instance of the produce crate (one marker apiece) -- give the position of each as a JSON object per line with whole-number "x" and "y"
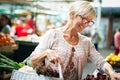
{"x": 8, "y": 48}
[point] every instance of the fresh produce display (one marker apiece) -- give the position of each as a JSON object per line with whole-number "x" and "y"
{"x": 8, "y": 64}
{"x": 99, "y": 77}
{"x": 113, "y": 59}
{"x": 47, "y": 71}
{"x": 7, "y": 44}
{"x": 5, "y": 39}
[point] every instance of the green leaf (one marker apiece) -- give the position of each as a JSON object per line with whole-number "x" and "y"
{"x": 21, "y": 64}
{"x": 6, "y": 67}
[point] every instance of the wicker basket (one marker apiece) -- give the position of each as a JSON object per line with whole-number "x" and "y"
{"x": 18, "y": 75}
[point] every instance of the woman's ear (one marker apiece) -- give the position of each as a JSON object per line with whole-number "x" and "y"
{"x": 72, "y": 15}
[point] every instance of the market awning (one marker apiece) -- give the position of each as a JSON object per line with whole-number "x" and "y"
{"x": 25, "y": 2}
{"x": 111, "y": 11}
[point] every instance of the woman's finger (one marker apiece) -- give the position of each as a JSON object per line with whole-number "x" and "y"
{"x": 56, "y": 62}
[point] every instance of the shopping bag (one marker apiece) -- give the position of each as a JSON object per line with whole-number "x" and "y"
{"x": 18, "y": 75}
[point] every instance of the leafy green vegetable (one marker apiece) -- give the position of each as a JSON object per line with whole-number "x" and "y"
{"x": 21, "y": 64}
{"x": 6, "y": 67}
{"x": 8, "y": 64}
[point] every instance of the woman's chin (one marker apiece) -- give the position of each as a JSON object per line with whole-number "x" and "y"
{"x": 80, "y": 29}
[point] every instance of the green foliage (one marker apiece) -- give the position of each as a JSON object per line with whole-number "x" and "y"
{"x": 99, "y": 38}
{"x": 8, "y": 64}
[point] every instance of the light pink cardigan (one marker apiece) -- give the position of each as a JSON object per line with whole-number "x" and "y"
{"x": 73, "y": 63}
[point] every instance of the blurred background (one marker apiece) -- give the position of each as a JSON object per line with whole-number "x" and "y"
{"x": 28, "y": 20}
{"x": 53, "y": 14}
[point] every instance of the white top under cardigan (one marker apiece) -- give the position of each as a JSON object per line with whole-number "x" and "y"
{"x": 73, "y": 62}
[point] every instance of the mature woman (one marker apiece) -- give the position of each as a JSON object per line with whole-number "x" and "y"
{"x": 69, "y": 48}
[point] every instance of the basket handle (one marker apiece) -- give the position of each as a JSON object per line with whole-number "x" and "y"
{"x": 60, "y": 72}
{"x": 59, "y": 68}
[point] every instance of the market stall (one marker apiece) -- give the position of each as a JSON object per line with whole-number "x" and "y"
{"x": 25, "y": 48}
{"x": 114, "y": 60}
{"x": 7, "y": 48}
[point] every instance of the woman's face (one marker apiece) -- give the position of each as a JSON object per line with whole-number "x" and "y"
{"x": 81, "y": 22}
{"x": 3, "y": 21}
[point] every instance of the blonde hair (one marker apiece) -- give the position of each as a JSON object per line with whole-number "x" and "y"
{"x": 83, "y": 8}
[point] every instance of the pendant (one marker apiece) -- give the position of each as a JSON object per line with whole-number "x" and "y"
{"x": 73, "y": 49}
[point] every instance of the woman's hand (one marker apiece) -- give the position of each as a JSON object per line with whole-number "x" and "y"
{"x": 115, "y": 76}
{"x": 37, "y": 60}
{"x": 109, "y": 70}
{"x": 53, "y": 57}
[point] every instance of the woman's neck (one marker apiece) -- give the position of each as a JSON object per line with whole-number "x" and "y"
{"x": 69, "y": 30}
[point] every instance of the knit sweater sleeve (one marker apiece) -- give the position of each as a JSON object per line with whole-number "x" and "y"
{"x": 45, "y": 42}
{"x": 96, "y": 57}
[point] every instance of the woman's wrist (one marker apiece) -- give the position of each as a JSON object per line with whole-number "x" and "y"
{"x": 109, "y": 70}
{"x": 48, "y": 51}
{"x": 36, "y": 60}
